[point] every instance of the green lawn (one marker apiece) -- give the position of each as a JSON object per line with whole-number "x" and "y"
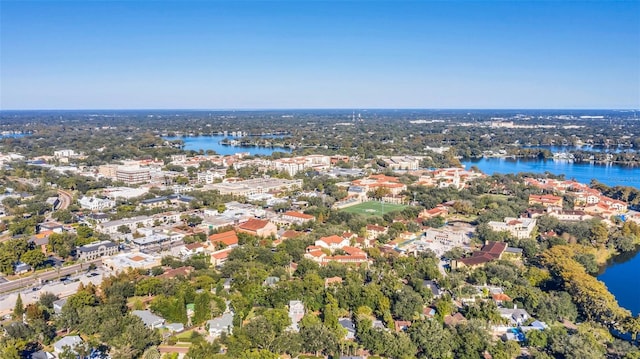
{"x": 373, "y": 208}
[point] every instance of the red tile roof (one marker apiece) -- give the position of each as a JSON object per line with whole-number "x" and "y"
{"x": 228, "y": 238}
{"x": 253, "y": 225}
{"x": 299, "y": 215}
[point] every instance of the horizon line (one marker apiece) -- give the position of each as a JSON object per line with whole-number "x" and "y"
{"x": 331, "y": 108}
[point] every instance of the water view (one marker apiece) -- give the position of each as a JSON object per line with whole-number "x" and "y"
{"x": 621, "y": 279}
{"x": 618, "y": 275}
{"x": 213, "y": 142}
{"x": 612, "y": 175}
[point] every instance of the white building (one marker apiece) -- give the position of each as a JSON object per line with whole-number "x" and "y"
{"x": 296, "y": 312}
{"x": 221, "y": 324}
{"x": 64, "y": 153}
{"x": 133, "y": 175}
{"x": 518, "y": 227}
{"x": 96, "y": 250}
{"x": 96, "y": 204}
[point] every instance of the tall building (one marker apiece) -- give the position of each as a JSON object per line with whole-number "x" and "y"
{"x": 133, "y": 175}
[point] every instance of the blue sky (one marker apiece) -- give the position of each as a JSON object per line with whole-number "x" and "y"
{"x": 319, "y": 54}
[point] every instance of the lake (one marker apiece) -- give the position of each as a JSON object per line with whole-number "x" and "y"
{"x": 621, "y": 278}
{"x": 609, "y": 174}
{"x": 197, "y": 143}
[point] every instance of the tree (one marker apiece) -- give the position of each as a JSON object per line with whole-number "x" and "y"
{"x": 408, "y": 304}
{"x": 34, "y": 258}
{"x": 18, "y": 308}
{"x": 432, "y": 339}
{"x": 202, "y": 308}
{"x": 124, "y": 229}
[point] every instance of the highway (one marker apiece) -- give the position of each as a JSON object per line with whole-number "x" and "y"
{"x": 34, "y": 279}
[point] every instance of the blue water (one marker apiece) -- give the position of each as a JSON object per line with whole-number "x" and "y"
{"x": 610, "y": 149}
{"x": 611, "y": 175}
{"x": 620, "y": 276}
{"x": 213, "y": 143}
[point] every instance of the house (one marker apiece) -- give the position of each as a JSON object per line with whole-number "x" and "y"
{"x": 490, "y": 251}
{"x": 433, "y": 287}
{"x": 219, "y": 257}
{"x": 455, "y": 319}
{"x": 70, "y": 341}
{"x": 175, "y": 327}
{"x": 545, "y": 200}
{"x": 401, "y": 325}
{"x": 192, "y": 248}
{"x": 332, "y": 281}
{"x": 429, "y": 312}
{"x": 297, "y": 217}
{"x": 438, "y": 211}
{"x": 227, "y": 239}
{"x": 332, "y": 242}
{"x": 222, "y": 324}
{"x": 271, "y": 281}
{"x": 20, "y": 268}
{"x": 58, "y": 305}
{"x": 149, "y": 319}
{"x": 374, "y": 231}
{"x": 41, "y": 354}
{"x": 296, "y": 312}
{"x": 500, "y": 298}
{"x": 183, "y": 271}
{"x": 519, "y": 228}
{"x": 350, "y": 327}
{"x": 258, "y": 228}
{"x": 515, "y": 316}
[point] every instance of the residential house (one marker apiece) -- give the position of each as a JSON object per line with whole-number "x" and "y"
{"x": 545, "y": 200}
{"x": 297, "y": 217}
{"x": 515, "y": 316}
{"x": 374, "y": 231}
{"x": 222, "y": 324}
{"x": 227, "y": 239}
{"x": 190, "y": 249}
{"x": 296, "y": 312}
{"x": 401, "y": 325}
{"x": 58, "y": 305}
{"x": 438, "y": 211}
{"x": 455, "y": 319}
{"x": 350, "y": 327}
{"x": 490, "y": 251}
{"x": 70, "y": 341}
{"x": 332, "y": 242}
{"x": 333, "y": 281}
{"x": 218, "y": 258}
{"x": 149, "y": 319}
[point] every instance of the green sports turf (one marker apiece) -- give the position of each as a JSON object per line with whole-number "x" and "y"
{"x": 373, "y": 208}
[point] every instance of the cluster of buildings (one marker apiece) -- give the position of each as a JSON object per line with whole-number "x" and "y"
{"x": 337, "y": 249}
{"x": 587, "y": 200}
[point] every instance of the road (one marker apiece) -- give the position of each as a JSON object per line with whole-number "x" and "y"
{"x": 65, "y": 199}
{"x": 32, "y": 280}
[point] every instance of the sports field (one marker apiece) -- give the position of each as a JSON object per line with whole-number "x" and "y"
{"x": 374, "y": 208}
